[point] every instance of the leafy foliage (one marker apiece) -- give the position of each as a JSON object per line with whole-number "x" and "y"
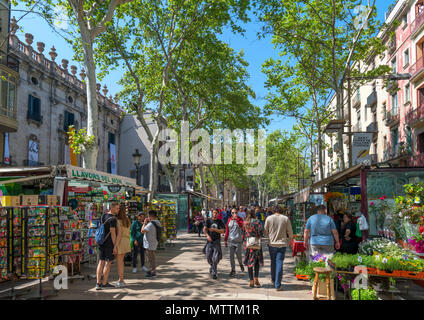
{"x": 79, "y": 141}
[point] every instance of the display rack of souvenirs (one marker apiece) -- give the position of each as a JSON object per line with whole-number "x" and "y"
{"x": 53, "y": 238}
{"x": 3, "y": 242}
{"x": 69, "y": 237}
{"x": 18, "y": 238}
{"x": 133, "y": 208}
{"x": 36, "y": 237}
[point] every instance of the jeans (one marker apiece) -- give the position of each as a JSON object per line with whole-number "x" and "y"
{"x": 200, "y": 228}
{"x": 213, "y": 255}
{"x": 235, "y": 248}
{"x": 136, "y": 250}
{"x": 277, "y": 259}
{"x": 250, "y": 270}
{"x": 151, "y": 255}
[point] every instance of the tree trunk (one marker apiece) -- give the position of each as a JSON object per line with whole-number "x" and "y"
{"x": 154, "y": 166}
{"x": 202, "y": 179}
{"x": 90, "y": 156}
{"x": 321, "y": 165}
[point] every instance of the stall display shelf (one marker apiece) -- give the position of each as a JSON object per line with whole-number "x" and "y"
{"x": 3, "y": 243}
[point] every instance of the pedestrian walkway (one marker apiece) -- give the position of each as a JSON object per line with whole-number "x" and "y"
{"x": 183, "y": 273}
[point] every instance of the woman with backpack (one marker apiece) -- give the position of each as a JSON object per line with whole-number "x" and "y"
{"x": 252, "y": 234}
{"x": 123, "y": 243}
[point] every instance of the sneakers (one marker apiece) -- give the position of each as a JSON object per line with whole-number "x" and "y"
{"x": 214, "y": 277}
{"x": 257, "y": 284}
{"x": 232, "y": 273}
{"x": 119, "y": 284}
{"x": 149, "y": 274}
{"x": 107, "y": 285}
{"x": 252, "y": 283}
{"x": 98, "y": 286}
{"x": 280, "y": 288}
{"x": 144, "y": 269}
{"x": 134, "y": 270}
{"x": 242, "y": 268}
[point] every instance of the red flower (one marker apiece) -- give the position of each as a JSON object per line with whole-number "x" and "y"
{"x": 421, "y": 229}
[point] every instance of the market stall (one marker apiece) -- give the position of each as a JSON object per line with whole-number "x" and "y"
{"x": 69, "y": 202}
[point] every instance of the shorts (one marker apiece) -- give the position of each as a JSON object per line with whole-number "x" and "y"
{"x": 106, "y": 253}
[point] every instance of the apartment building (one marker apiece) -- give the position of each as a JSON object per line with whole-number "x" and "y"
{"x": 9, "y": 82}
{"x": 48, "y": 99}
{"x": 392, "y": 110}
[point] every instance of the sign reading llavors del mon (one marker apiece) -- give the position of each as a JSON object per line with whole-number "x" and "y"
{"x": 93, "y": 175}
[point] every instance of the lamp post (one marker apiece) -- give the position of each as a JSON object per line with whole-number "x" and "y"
{"x": 137, "y": 159}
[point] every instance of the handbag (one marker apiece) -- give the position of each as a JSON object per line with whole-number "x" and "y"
{"x": 253, "y": 243}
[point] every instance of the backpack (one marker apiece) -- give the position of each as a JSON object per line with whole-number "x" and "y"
{"x": 100, "y": 233}
{"x": 158, "y": 231}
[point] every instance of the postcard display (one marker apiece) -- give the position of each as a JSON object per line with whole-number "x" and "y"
{"x": 4, "y": 253}
{"x": 88, "y": 214}
{"x": 29, "y": 241}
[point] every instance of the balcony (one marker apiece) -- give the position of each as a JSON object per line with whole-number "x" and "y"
{"x": 417, "y": 24}
{"x": 392, "y": 118}
{"x": 415, "y": 118}
{"x": 392, "y": 46}
{"x": 356, "y": 102}
{"x": 372, "y": 99}
{"x": 417, "y": 68}
{"x": 31, "y": 163}
{"x": 8, "y": 120}
{"x": 356, "y": 128}
{"x": 373, "y": 127}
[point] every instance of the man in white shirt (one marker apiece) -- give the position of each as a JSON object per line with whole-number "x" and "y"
{"x": 150, "y": 241}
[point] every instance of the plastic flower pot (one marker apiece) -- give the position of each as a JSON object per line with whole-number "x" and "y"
{"x": 372, "y": 270}
{"x": 384, "y": 273}
{"x": 302, "y": 277}
{"x": 408, "y": 274}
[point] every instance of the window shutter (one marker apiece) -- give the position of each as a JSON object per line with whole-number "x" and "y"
{"x": 30, "y": 107}
{"x": 36, "y": 104}
{"x": 71, "y": 119}
{"x": 66, "y": 122}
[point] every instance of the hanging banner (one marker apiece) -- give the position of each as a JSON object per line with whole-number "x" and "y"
{"x": 361, "y": 147}
{"x": 32, "y": 153}
{"x": 112, "y": 158}
{"x": 6, "y": 157}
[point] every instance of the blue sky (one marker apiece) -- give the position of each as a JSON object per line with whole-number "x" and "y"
{"x": 256, "y": 52}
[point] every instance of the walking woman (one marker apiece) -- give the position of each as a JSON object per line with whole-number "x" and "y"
{"x": 122, "y": 244}
{"x": 234, "y": 239}
{"x": 349, "y": 242}
{"x": 252, "y": 234}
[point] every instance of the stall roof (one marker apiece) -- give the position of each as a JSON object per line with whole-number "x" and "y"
{"x": 342, "y": 175}
{"x": 287, "y": 196}
{"x": 71, "y": 172}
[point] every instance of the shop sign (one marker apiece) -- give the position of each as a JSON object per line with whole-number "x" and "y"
{"x": 86, "y": 174}
{"x": 361, "y": 147}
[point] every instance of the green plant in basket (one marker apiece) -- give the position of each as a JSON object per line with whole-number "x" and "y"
{"x": 366, "y": 294}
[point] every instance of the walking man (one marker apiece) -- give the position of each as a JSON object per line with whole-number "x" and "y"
{"x": 234, "y": 239}
{"x": 213, "y": 230}
{"x": 277, "y": 228}
{"x": 321, "y": 233}
{"x": 151, "y": 229}
{"x": 106, "y": 255}
{"x": 138, "y": 238}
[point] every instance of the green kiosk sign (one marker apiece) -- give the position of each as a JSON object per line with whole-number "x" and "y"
{"x": 92, "y": 175}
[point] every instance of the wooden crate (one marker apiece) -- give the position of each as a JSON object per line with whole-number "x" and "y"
{"x": 31, "y": 200}
{"x": 10, "y": 201}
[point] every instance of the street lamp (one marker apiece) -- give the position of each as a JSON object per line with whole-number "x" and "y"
{"x": 137, "y": 159}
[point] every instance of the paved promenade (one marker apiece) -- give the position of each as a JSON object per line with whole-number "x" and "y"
{"x": 183, "y": 273}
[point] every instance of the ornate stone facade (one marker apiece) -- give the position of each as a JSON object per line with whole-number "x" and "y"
{"x": 50, "y": 98}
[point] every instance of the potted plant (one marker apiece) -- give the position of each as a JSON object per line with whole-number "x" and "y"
{"x": 366, "y": 294}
